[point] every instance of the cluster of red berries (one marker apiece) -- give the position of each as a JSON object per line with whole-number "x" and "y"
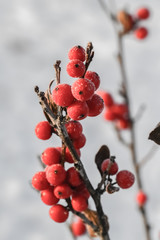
{"x": 131, "y": 22}
{"x": 115, "y": 112}
{"x": 124, "y": 178}
{"x": 79, "y": 98}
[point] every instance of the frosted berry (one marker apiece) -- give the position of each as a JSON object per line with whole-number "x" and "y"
{"x": 141, "y": 33}
{"x": 77, "y": 52}
{"x": 113, "y": 168}
{"x": 56, "y": 174}
{"x": 62, "y": 95}
{"x": 79, "y": 203}
{"x": 95, "y": 105}
{"x": 143, "y": 13}
{"x": 82, "y": 89}
{"x": 68, "y": 156}
{"x": 94, "y": 78}
{"x": 107, "y": 98}
{"x": 141, "y": 198}
{"x": 39, "y": 181}
{"x": 51, "y": 156}
{"x": 125, "y": 179}
{"x": 78, "y": 228}
{"x": 43, "y": 130}
{"x": 73, "y": 177}
{"x": 74, "y": 129}
{"x": 58, "y": 213}
{"x": 78, "y": 110}
{"x": 48, "y": 197}
{"x": 123, "y": 124}
{"x": 75, "y": 68}
{"x": 63, "y": 191}
{"x": 79, "y": 142}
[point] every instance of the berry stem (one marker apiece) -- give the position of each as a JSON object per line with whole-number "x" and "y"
{"x": 125, "y": 94}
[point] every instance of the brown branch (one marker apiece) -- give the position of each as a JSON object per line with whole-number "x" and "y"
{"x": 148, "y": 156}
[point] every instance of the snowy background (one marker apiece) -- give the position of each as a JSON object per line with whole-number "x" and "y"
{"x": 34, "y": 34}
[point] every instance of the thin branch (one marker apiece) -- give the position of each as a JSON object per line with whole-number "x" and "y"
{"x": 148, "y": 156}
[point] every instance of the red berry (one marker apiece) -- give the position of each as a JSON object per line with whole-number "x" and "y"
{"x": 39, "y": 181}
{"x": 113, "y": 168}
{"x": 78, "y": 110}
{"x": 93, "y": 77}
{"x": 74, "y": 129}
{"x": 141, "y": 198}
{"x": 82, "y": 89}
{"x": 81, "y": 190}
{"x": 51, "y": 156}
{"x": 107, "y": 98}
{"x": 62, "y": 95}
{"x": 77, "y": 52}
{"x": 68, "y": 156}
{"x": 109, "y": 114}
{"x": 125, "y": 179}
{"x": 95, "y": 105}
{"x": 48, "y": 197}
{"x": 122, "y": 123}
{"x": 43, "y": 130}
{"x": 120, "y": 110}
{"x": 55, "y": 174}
{"x": 79, "y": 142}
{"x": 75, "y": 68}
{"x": 63, "y": 191}
{"x": 73, "y": 177}
{"x": 143, "y": 13}
{"x": 58, "y": 213}
{"x": 78, "y": 228}
{"x": 141, "y": 33}
{"x": 79, "y": 203}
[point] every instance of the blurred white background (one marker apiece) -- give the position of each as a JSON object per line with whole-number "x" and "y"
{"x": 34, "y": 34}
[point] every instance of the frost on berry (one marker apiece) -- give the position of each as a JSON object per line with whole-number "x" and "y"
{"x": 73, "y": 177}
{"x": 94, "y": 78}
{"x": 74, "y": 129}
{"x": 77, "y": 52}
{"x": 75, "y": 68}
{"x": 51, "y": 156}
{"x": 62, "y": 95}
{"x": 43, "y": 130}
{"x": 55, "y": 174}
{"x": 95, "y": 105}
{"x": 39, "y": 181}
{"x": 125, "y": 179}
{"x": 58, "y": 213}
{"x": 110, "y": 166}
{"x": 82, "y": 89}
{"x": 78, "y": 110}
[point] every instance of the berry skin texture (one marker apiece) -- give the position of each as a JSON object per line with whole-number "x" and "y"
{"x": 39, "y": 181}
{"x": 113, "y": 168}
{"x": 51, "y": 156}
{"x": 94, "y": 78}
{"x": 48, "y": 197}
{"x": 74, "y": 129}
{"x": 73, "y": 177}
{"x": 141, "y": 198}
{"x": 78, "y": 228}
{"x": 55, "y": 174}
{"x": 79, "y": 203}
{"x": 141, "y": 33}
{"x": 95, "y": 105}
{"x": 63, "y": 191}
{"x": 143, "y": 13}
{"x": 58, "y": 213}
{"x": 77, "y": 52}
{"x": 107, "y": 98}
{"x": 75, "y": 68}
{"x": 62, "y": 95}
{"x": 43, "y": 130}
{"x": 125, "y": 179}
{"x": 79, "y": 142}
{"x": 82, "y": 89}
{"x": 78, "y": 110}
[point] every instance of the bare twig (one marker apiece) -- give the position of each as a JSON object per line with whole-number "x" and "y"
{"x": 148, "y": 156}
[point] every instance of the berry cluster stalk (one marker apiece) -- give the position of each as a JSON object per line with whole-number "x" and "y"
{"x": 125, "y": 93}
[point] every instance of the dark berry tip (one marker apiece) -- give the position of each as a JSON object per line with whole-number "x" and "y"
{"x": 76, "y": 65}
